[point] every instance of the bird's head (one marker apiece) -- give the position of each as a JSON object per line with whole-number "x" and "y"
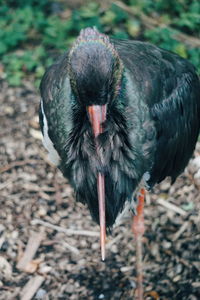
{"x": 95, "y": 68}
{"x": 95, "y": 72}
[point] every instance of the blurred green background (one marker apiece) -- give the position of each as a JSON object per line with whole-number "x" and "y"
{"x": 34, "y": 32}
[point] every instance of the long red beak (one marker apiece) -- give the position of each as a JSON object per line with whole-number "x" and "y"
{"x": 97, "y": 115}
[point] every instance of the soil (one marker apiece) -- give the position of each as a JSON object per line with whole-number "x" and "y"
{"x": 38, "y": 261}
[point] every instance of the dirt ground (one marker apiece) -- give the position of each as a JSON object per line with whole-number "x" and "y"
{"x": 49, "y": 246}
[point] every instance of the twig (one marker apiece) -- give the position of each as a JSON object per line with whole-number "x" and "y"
{"x": 44, "y": 195}
{"x": 44, "y": 156}
{"x": 152, "y": 23}
{"x": 180, "y": 231}
{"x": 64, "y": 230}
{"x": 71, "y": 248}
{"x": 171, "y": 206}
{"x": 31, "y": 287}
{"x": 34, "y": 187}
{"x": 18, "y": 163}
{"x": 6, "y": 184}
{"x": 127, "y": 269}
{"x": 65, "y": 244}
{"x": 180, "y": 259}
{"x": 31, "y": 249}
{"x": 113, "y": 241}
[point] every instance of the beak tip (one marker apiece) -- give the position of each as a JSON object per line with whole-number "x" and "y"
{"x": 103, "y": 256}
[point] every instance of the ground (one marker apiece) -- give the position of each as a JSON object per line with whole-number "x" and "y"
{"x": 38, "y": 261}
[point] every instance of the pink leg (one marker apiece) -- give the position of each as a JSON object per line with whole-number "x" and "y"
{"x": 138, "y": 230}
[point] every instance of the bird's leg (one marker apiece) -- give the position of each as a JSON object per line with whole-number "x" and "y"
{"x": 138, "y": 230}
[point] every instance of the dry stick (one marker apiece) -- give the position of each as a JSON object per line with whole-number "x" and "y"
{"x": 64, "y": 230}
{"x": 31, "y": 249}
{"x": 18, "y": 164}
{"x": 34, "y": 187}
{"x": 113, "y": 241}
{"x": 180, "y": 231}
{"x": 64, "y": 244}
{"x": 71, "y": 248}
{"x": 152, "y": 23}
{"x": 171, "y": 206}
{"x": 127, "y": 269}
{"x": 6, "y": 184}
{"x": 31, "y": 287}
{"x": 180, "y": 259}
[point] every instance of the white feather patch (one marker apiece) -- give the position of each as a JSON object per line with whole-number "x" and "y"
{"x": 53, "y": 156}
{"x": 123, "y": 214}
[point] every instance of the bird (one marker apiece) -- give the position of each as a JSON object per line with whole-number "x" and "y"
{"x": 118, "y": 117}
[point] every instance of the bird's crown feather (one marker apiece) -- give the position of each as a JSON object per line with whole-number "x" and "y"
{"x": 92, "y": 60}
{"x": 92, "y": 35}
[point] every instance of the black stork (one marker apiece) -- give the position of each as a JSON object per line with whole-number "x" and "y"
{"x": 117, "y": 117}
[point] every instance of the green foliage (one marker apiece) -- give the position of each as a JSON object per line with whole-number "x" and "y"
{"x": 33, "y": 32}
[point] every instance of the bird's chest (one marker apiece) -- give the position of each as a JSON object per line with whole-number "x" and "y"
{"x": 115, "y": 156}
{"x": 111, "y": 154}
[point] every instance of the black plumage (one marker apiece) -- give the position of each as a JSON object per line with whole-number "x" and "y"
{"x": 152, "y": 124}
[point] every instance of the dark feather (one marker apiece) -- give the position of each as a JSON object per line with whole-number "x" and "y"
{"x": 152, "y": 124}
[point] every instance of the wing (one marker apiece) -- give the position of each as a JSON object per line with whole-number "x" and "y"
{"x": 177, "y": 120}
{"x": 171, "y": 88}
{"x": 55, "y": 109}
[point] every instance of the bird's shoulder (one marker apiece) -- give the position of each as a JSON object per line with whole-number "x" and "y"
{"x": 155, "y": 71}
{"x": 55, "y": 106}
{"x": 53, "y": 78}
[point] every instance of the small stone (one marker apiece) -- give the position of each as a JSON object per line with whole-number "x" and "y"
{"x": 114, "y": 249}
{"x": 45, "y": 269}
{"x": 83, "y": 243}
{"x": 40, "y": 294}
{"x": 149, "y": 288}
{"x": 155, "y": 251}
{"x": 133, "y": 284}
{"x": 9, "y": 110}
{"x": 192, "y": 297}
{"x": 82, "y": 261}
{"x": 42, "y": 211}
{"x": 4, "y": 246}
{"x": 101, "y": 296}
{"x": 194, "y": 165}
{"x": 166, "y": 244}
{"x": 165, "y": 186}
{"x": 5, "y": 268}
{"x": 70, "y": 288}
{"x": 36, "y": 134}
{"x": 176, "y": 278}
{"x": 35, "y": 122}
{"x": 15, "y": 234}
{"x": 197, "y": 174}
{"x": 179, "y": 268}
{"x": 170, "y": 273}
{"x": 2, "y": 228}
{"x": 95, "y": 246}
{"x": 196, "y": 284}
